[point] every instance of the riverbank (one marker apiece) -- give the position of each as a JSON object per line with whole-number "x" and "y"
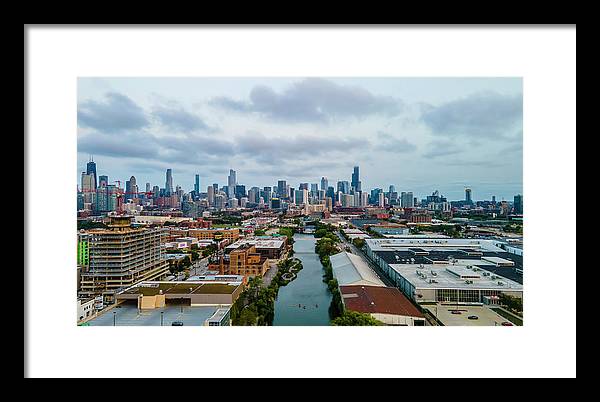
{"x": 256, "y": 305}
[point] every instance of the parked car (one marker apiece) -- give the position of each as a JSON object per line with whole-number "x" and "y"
{"x": 177, "y": 324}
{"x": 455, "y": 312}
{"x": 507, "y": 324}
{"x": 473, "y": 317}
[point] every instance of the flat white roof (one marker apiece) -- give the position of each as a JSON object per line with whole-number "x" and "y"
{"x": 430, "y": 242}
{"x": 448, "y": 276}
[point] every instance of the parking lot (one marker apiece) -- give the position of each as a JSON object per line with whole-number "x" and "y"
{"x": 486, "y": 317}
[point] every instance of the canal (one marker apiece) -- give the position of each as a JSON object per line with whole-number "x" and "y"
{"x": 308, "y": 290}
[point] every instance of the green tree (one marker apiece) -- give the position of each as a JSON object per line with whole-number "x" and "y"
{"x": 354, "y": 318}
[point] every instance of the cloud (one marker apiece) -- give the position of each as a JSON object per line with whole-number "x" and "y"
{"x": 483, "y": 115}
{"x": 177, "y": 118}
{"x": 441, "y": 148}
{"x": 186, "y": 149}
{"x": 278, "y": 149}
{"x": 389, "y": 143}
{"x": 312, "y": 100}
{"x": 116, "y": 113}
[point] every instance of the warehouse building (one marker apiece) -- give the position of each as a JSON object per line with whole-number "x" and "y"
{"x": 350, "y": 269}
{"x": 385, "y": 304}
{"x": 448, "y": 270}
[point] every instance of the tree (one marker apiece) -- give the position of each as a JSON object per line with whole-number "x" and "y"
{"x": 359, "y": 243}
{"x": 354, "y": 318}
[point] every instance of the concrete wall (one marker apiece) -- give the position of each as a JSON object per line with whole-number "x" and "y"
{"x": 392, "y": 319}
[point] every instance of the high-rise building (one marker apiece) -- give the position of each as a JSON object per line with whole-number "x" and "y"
{"x": 197, "y": 184}
{"x": 231, "y": 182}
{"x": 210, "y": 193}
{"x": 364, "y": 199}
{"x": 392, "y": 189}
{"x": 155, "y": 191}
{"x": 267, "y": 193}
{"x": 240, "y": 191}
{"x": 324, "y": 183}
{"x": 91, "y": 169}
{"x": 468, "y": 198}
{"x": 347, "y": 200}
{"x": 102, "y": 181}
{"x": 281, "y": 188}
{"x": 216, "y": 187}
{"x": 493, "y": 199}
{"x": 147, "y": 187}
{"x": 381, "y": 199}
{"x": 343, "y": 187}
{"x": 131, "y": 188}
{"x": 87, "y": 187}
{"x": 169, "y": 183}
{"x": 303, "y": 186}
{"x": 220, "y": 201}
{"x": 314, "y": 188}
{"x": 80, "y": 201}
{"x": 406, "y": 199}
{"x": 356, "y": 179}
{"x": 139, "y": 252}
{"x": 518, "y": 204}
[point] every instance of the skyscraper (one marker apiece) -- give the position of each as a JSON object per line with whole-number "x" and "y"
{"x": 406, "y": 200}
{"x": 303, "y": 186}
{"x": 381, "y": 199}
{"x": 103, "y": 181}
{"x": 356, "y": 179}
{"x": 231, "y": 182}
{"x": 91, "y": 169}
{"x": 343, "y": 186}
{"x": 87, "y": 187}
{"x": 281, "y": 188}
{"x": 169, "y": 183}
{"x": 518, "y": 204}
{"x": 147, "y": 187}
{"x": 324, "y": 183}
{"x": 197, "y": 185}
{"x": 468, "y": 198}
{"x": 211, "y": 195}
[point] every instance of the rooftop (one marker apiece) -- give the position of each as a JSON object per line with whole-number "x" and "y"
{"x": 378, "y": 299}
{"x": 454, "y": 276}
{"x": 350, "y": 269}
{"x": 485, "y": 316}
{"x": 129, "y": 315}
{"x": 186, "y": 287}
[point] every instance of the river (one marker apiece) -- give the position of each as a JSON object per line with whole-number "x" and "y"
{"x": 308, "y": 289}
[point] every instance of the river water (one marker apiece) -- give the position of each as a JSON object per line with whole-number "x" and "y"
{"x": 308, "y": 289}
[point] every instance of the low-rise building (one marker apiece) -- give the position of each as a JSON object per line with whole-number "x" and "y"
{"x": 350, "y": 269}
{"x": 385, "y": 304}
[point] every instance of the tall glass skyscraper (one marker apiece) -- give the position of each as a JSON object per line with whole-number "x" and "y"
{"x": 231, "y": 182}
{"x": 169, "y": 182}
{"x": 197, "y": 185}
{"x": 355, "y": 179}
{"x": 91, "y": 169}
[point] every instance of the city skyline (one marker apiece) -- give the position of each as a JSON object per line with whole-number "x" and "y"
{"x": 205, "y": 185}
{"x": 418, "y": 134}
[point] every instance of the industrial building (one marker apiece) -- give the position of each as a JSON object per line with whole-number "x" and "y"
{"x": 156, "y": 294}
{"x": 350, "y": 269}
{"x": 385, "y": 304}
{"x": 448, "y": 270}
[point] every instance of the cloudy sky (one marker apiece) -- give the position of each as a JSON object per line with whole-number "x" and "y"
{"x": 419, "y": 134}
